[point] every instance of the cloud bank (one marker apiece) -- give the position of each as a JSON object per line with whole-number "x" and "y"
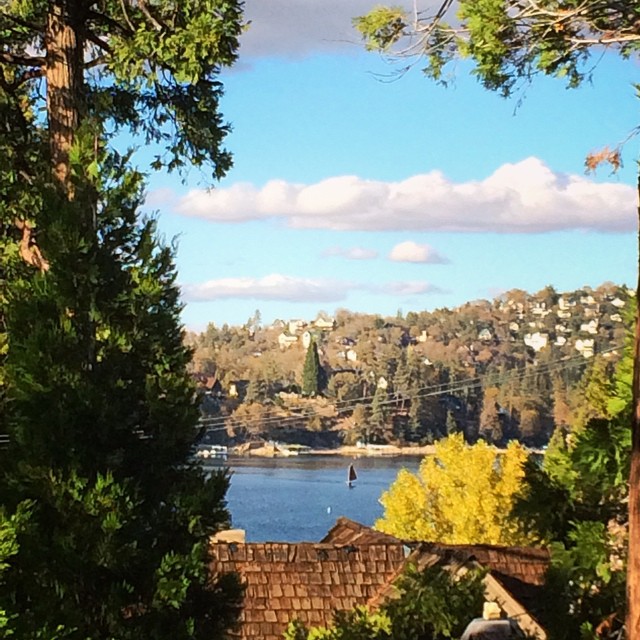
{"x": 295, "y": 29}
{"x": 525, "y": 197}
{"x": 279, "y": 287}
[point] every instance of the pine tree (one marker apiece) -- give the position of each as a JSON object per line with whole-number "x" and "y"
{"x": 111, "y": 521}
{"x": 101, "y": 418}
{"x": 314, "y": 377}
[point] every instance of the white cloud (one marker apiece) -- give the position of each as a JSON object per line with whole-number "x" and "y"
{"x": 278, "y": 287}
{"x": 525, "y": 197}
{"x": 272, "y": 287}
{"x": 410, "y": 251}
{"x": 352, "y": 253}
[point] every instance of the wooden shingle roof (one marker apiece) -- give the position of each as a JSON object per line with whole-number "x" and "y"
{"x": 355, "y": 565}
{"x": 304, "y": 581}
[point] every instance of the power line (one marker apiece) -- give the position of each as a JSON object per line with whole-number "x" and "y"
{"x": 221, "y": 423}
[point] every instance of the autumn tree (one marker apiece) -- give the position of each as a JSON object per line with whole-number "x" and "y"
{"x": 460, "y": 495}
{"x": 510, "y": 42}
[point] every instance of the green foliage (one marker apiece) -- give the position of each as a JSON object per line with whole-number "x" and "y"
{"x": 508, "y": 41}
{"x": 577, "y": 500}
{"x": 314, "y": 377}
{"x": 382, "y": 27}
{"x": 431, "y": 604}
{"x": 101, "y": 415}
{"x": 158, "y": 71}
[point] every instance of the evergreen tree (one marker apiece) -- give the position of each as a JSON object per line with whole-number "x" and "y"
{"x": 110, "y": 523}
{"x": 101, "y": 420}
{"x": 314, "y": 377}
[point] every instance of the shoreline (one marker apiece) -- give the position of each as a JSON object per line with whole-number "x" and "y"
{"x": 282, "y": 451}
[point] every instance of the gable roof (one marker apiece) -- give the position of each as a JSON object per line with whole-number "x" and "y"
{"x": 355, "y": 565}
{"x": 304, "y": 581}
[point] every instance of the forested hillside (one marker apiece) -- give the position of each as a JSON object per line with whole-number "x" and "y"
{"x": 515, "y": 367}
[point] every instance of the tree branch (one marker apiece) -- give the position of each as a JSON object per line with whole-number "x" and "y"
{"x": 22, "y": 61}
{"x": 101, "y": 44}
{"x": 143, "y": 7}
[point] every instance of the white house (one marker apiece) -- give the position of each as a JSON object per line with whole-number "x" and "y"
{"x": 325, "y": 324}
{"x": 296, "y": 325}
{"x": 537, "y": 340}
{"x": 285, "y": 340}
{"x": 585, "y": 347}
{"x": 590, "y": 327}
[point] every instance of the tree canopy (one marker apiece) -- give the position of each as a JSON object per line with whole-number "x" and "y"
{"x": 507, "y": 42}
{"x": 463, "y": 494}
{"x": 104, "y": 521}
{"x": 150, "y": 68}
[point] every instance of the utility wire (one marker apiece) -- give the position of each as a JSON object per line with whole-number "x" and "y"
{"x": 221, "y": 423}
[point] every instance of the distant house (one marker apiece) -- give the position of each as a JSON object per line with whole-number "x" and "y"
{"x": 590, "y": 327}
{"x": 296, "y": 325}
{"x": 536, "y": 341}
{"x": 540, "y": 309}
{"x": 585, "y": 347}
{"x": 560, "y": 341}
{"x": 423, "y": 336}
{"x": 237, "y": 388}
{"x": 564, "y": 304}
{"x": 618, "y": 302}
{"x": 285, "y": 340}
{"x": 485, "y": 335}
{"x": 616, "y": 317}
{"x": 382, "y": 383}
{"x": 325, "y": 324}
{"x": 278, "y": 324}
{"x": 355, "y": 565}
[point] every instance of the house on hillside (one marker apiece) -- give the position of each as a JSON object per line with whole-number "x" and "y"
{"x": 536, "y": 341}
{"x": 585, "y": 347}
{"x": 324, "y": 324}
{"x": 296, "y": 325}
{"x": 285, "y": 340}
{"x": 590, "y": 327}
{"x": 355, "y": 565}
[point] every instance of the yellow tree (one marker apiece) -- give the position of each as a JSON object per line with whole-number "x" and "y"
{"x": 462, "y": 494}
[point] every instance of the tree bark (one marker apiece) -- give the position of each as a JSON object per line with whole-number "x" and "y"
{"x": 633, "y": 561}
{"x": 64, "y": 74}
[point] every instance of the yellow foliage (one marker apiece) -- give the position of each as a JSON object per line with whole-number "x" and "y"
{"x": 463, "y": 494}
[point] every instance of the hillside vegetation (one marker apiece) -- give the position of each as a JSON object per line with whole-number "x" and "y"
{"x": 516, "y": 367}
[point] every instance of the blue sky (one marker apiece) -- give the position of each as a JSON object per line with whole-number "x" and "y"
{"x": 352, "y": 191}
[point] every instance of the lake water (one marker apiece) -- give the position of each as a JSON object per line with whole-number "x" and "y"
{"x": 299, "y": 498}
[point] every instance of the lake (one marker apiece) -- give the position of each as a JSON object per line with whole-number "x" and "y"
{"x": 299, "y": 498}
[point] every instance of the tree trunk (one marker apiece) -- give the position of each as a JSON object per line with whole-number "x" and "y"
{"x": 633, "y": 561}
{"x": 64, "y": 77}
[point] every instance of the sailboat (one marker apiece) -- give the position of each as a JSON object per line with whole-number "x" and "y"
{"x": 352, "y": 476}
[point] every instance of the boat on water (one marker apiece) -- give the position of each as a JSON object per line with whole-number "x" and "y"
{"x": 211, "y": 451}
{"x": 352, "y": 476}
